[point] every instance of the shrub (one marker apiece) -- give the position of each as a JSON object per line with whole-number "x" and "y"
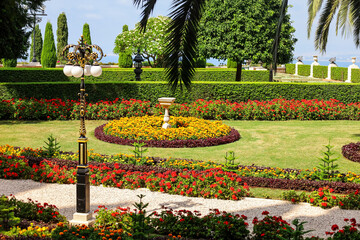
{"x": 231, "y": 64}
{"x": 339, "y": 73}
{"x": 290, "y": 68}
{"x": 125, "y": 60}
{"x": 48, "y": 54}
{"x": 304, "y": 70}
{"x": 151, "y": 91}
{"x": 126, "y": 74}
{"x": 355, "y": 75}
{"x": 9, "y": 63}
{"x": 320, "y": 72}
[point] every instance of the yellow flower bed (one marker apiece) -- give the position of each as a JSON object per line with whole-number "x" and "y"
{"x": 149, "y": 128}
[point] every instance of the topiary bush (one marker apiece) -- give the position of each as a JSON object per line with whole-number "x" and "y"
{"x": 304, "y": 70}
{"x": 290, "y": 68}
{"x": 48, "y": 54}
{"x": 320, "y": 72}
{"x": 125, "y": 60}
{"x": 339, "y": 73}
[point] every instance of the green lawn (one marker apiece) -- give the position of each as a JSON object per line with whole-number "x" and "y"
{"x": 288, "y": 144}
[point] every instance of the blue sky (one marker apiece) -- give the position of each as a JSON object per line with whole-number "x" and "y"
{"x": 107, "y": 17}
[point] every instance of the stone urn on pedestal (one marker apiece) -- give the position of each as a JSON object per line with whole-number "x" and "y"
{"x": 166, "y": 103}
{"x": 315, "y": 63}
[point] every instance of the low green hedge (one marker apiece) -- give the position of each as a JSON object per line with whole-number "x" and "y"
{"x": 320, "y": 72}
{"x": 304, "y": 70}
{"x": 232, "y": 91}
{"x": 120, "y": 75}
{"x": 339, "y": 73}
{"x": 290, "y": 68}
{"x": 355, "y": 75}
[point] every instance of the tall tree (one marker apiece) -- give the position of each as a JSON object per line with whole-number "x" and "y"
{"x": 48, "y": 54}
{"x": 38, "y": 44}
{"x": 244, "y": 30}
{"x": 15, "y": 23}
{"x": 62, "y": 35}
{"x": 86, "y": 33}
{"x": 125, "y": 60}
{"x": 347, "y": 11}
{"x": 151, "y": 43}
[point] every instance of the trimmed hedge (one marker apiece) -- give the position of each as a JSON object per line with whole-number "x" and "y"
{"x": 320, "y": 72}
{"x": 304, "y": 70}
{"x": 121, "y": 75}
{"x": 339, "y": 73}
{"x": 355, "y": 75}
{"x": 235, "y": 92}
{"x": 290, "y": 68}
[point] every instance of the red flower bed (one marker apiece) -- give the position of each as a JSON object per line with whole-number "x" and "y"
{"x": 232, "y": 137}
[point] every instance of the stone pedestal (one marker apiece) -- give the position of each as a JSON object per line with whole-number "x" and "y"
{"x": 315, "y": 63}
{"x": 296, "y": 66}
{"x": 329, "y": 69}
{"x": 82, "y": 219}
{"x": 352, "y": 66}
{"x": 166, "y": 103}
{"x": 34, "y": 64}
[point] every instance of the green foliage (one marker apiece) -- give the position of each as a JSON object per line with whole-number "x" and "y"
{"x": 290, "y": 68}
{"x": 320, "y": 72}
{"x": 230, "y": 161}
{"x": 327, "y": 167}
{"x": 48, "y": 54}
{"x": 237, "y": 92}
{"x": 125, "y": 60}
{"x": 293, "y": 197}
{"x": 304, "y": 70}
{"x": 10, "y": 63}
{"x": 151, "y": 43}
{"x": 355, "y": 75}
{"x": 52, "y": 146}
{"x": 140, "y": 227}
{"x": 38, "y": 44}
{"x": 120, "y": 75}
{"x": 231, "y": 64}
{"x": 200, "y": 62}
{"x": 138, "y": 151}
{"x": 86, "y": 34}
{"x": 14, "y": 26}
{"x": 339, "y": 73}
{"x": 7, "y": 214}
{"x": 241, "y": 31}
{"x": 62, "y": 35}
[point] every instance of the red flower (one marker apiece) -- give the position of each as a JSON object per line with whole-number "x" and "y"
{"x": 265, "y": 213}
{"x": 324, "y": 204}
{"x": 334, "y": 227}
{"x": 321, "y": 194}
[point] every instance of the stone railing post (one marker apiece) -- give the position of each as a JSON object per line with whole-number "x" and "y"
{"x": 352, "y": 66}
{"x": 315, "y": 63}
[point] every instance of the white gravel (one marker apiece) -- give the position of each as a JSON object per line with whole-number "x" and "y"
{"x": 63, "y": 196}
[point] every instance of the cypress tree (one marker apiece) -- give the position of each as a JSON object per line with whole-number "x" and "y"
{"x": 48, "y": 54}
{"x": 125, "y": 59}
{"x": 38, "y": 44}
{"x": 86, "y": 34}
{"x": 62, "y": 35}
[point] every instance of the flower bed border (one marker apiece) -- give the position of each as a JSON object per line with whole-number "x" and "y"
{"x": 233, "y": 136}
{"x": 351, "y": 151}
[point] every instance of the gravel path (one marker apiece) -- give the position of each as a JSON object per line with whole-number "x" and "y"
{"x": 63, "y": 196}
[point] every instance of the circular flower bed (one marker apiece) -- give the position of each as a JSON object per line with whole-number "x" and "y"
{"x": 351, "y": 151}
{"x": 185, "y": 132}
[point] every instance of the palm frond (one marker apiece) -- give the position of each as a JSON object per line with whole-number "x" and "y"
{"x": 182, "y": 38}
{"x": 278, "y": 31}
{"x": 344, "y": 19}
{"x": 322, "y": 31}
{"x": 313, "y": 8}
{"x": 355, "y": 18}
{"x": 148, "y": 8}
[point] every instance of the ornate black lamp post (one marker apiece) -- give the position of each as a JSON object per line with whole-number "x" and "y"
{"x": 79, "y": 66}
{"x": 34, "y": 13}
{"x": 138, "y": 64}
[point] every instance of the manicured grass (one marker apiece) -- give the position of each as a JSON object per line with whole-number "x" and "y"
{"x": 288, "y": 144}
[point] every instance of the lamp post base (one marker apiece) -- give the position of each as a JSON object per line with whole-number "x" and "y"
{"x": 82, "y": 219}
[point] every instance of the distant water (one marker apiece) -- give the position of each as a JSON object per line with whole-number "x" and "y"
{"x": 326, "y": 63}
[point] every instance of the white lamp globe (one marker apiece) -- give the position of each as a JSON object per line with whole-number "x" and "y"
{"x": 67, "y": 70}
{"x": 87, "y": 70}
{"x": 77, "y": 71}
{"x": 96, "y": 70}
